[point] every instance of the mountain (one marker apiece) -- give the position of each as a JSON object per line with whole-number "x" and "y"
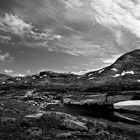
{"x": 4, "y": 77}
{"x": 123, "y": 74}
{"x": 125, "y": 65}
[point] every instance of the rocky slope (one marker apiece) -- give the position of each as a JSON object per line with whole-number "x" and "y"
{"x": 124, "y": 74}
{"x": 128, "y": 64}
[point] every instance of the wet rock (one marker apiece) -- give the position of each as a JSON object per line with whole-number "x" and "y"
{"x": 75, "y": 125}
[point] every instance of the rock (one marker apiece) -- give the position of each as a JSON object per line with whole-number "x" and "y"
{"x": 34, "y": 131}
{"x": 92, "y": 131}
{"x": 36, "y": 116}
{"x": 100, "y": 99}
{"x": 67, "y": 100}
{"x": 75, "y": 125}
{"x": 111, "y": 99}
{"x": 1, "y": 108}
{"x": 63, "y": 135}
{"x": 8, "y": 120}
{"x": 61, "y": 105}
{"x": 53, "y": 102}
{"x": 87, "y": 99}
{"x": 29, "y": 93}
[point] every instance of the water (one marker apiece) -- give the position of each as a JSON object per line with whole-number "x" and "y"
{"x": 104, "y": 114}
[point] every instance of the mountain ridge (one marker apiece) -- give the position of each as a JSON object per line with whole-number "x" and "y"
{"x": 123, "y": 74}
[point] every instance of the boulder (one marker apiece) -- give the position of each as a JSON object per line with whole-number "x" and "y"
{"x": 75, "y": 125}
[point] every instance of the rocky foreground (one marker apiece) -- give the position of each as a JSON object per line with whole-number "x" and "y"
{"x": 33, "y": 115}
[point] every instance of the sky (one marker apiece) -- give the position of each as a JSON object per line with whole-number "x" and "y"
{"x": 66, "y": 35}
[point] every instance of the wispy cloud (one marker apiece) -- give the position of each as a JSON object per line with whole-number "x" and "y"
{"x": 116, "y": 14}
{"x": 8, "y": 71}
{"x": 13, "y": 24}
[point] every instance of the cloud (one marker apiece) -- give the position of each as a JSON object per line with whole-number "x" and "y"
{"x": 76, "y": 27}
{"x": 8, "y": 71}
{"x": 72, "y": 4}
{"x": 5, "y": 39}
{"x": 15, "y": 25}
{"x": 6, "y": 57}
{"x": 23, "y": 32}
{"x": 115, "y": 14}
{"x": 74, "y": 45}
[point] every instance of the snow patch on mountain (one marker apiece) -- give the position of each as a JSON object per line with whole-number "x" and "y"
{"x": 18, "y": 78}
{"x": 127, "y": 72}
{"x": 114, "y": 69}
{"x": 101, "y": 71}
{"x": 116, "y": 75}
{"x": 90, "y": 74}
{"x": 91, "y": 78}
{"x": 124, "y": 73}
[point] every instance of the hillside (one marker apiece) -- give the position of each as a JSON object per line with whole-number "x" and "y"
{"x": 123, "y": 74}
